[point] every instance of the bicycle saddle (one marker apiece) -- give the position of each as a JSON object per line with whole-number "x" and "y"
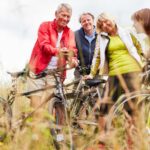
{"x": 16, "y": 74}
{"x": 94, "y": 82}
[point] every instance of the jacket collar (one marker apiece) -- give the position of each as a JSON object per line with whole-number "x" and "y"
{"x": 83, "y": 33}
{"x": 54, "y": 25}
{"x": 104, "y": 34}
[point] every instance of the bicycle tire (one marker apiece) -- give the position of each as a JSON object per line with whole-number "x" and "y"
{"x": 5, "y": 114}
{"x": 56, "y": 106}
{"x": 56, "y": 110}
{"x": 86, "y": 107}
{"x": 117, "y": 109}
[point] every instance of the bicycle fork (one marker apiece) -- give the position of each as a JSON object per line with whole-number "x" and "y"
{"x": 60, "y": 91}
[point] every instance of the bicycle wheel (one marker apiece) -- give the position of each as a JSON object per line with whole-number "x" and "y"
{"x": 75, "y": 107}
{"x": 130, "y": 128}
{"x": 118, "y": 107}
{"x": 5, "y": 114}
{"x": 57, "y": 111}
{"x": 144, "y": 105}
{"x": 84, "y": 111}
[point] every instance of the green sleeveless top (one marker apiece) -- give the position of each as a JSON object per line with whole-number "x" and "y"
{"x": 120, "y": 60}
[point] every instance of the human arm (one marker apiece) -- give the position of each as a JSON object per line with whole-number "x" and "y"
{"x": 45, "y": 40}
{"x": 137, "y": 45}
{"x": 139, "y": 50}
{"x": 79, "y": 47}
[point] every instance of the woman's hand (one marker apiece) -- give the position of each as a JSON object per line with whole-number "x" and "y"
{"x": 87, "y": 77}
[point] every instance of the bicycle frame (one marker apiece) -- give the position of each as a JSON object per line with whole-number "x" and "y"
{"x": 13, "y": 93}
{"x": 85, "y": 94}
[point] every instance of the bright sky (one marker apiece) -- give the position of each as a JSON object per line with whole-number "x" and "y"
{"x": 20, "y": 19}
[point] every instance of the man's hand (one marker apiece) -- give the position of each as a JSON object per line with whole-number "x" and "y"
{"x": 73, "y": 62}
{"x": 64, "y": 50}
{"x": 69, "y": 56}
{"x": 62, "y": 54}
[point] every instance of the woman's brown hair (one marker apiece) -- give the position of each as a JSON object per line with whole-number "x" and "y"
{"x": 143, "y": 15}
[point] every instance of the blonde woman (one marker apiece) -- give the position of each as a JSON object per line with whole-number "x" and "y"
{"x": 117, "y": 54}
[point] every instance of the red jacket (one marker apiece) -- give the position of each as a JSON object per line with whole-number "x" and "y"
{"x": 45, "y": 46}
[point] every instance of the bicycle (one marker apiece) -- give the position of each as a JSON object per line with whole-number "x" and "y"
{"x": 7, "y": 102}
{"x": 119, "y": 117}
{"x": 59, "y": 98}
{"x": 86, "y": 95}
{"x": 83, "y": 98}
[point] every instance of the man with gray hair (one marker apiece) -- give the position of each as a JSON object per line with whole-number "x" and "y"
{"x": 54, "y": 39}
{"x": 85, "y": 41}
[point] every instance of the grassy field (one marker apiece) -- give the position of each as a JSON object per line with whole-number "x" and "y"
{"x": 35, "y": 134}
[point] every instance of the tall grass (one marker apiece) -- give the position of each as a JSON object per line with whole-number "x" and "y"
{"x": 35, "y": 134}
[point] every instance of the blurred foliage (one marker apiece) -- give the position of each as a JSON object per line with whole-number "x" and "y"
{"x": 35, "y": 134}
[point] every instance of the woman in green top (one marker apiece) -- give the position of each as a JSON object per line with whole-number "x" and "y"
{"x": 118, "y": 55}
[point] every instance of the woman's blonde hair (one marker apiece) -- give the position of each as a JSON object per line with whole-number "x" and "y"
{"x": 103, "y": 16}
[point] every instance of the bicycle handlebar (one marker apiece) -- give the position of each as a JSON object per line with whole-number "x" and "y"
{"x": 84, "y": 69}
{"x": 48, "y": 72}
{"x": 17, "y": 74}
{"x": 40, "y": 75}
